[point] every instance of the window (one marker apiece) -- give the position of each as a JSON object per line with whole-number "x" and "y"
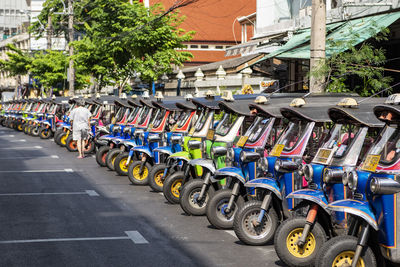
{"x": 204, "y": 46}
{"x": 194, "y": 46}
{"x": 219, "y": 47}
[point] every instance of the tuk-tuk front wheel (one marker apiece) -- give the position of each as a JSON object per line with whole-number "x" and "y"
{"x": 286, "y": 245}
{"x": 72, "y": 146}
{"x": 63, "y": 139}
{"x": 172, "y": 187}
{"x": 339, "y": 251}
{"x": 101, "y": 155}
{"x": 216, "y": 209}
{"x": 19, "y": 126}
{"x": 120, "y": 164}
{"x": 111, "y": 156}
{"x": 35, "y": 131}
{"x": 156, "y": 180}
{"x": 136, "y": 176}
{"x": 248, "y": 230}
{"x": 45, "y": 133}
{"x": 189, "y": 201}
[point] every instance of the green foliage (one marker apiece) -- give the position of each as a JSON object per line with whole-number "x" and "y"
{"x": 361, "y": 65}
{"x": 17, "y": 63}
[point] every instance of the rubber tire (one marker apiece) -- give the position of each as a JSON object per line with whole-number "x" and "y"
{"x": 185, "y": 197}
{"x": 168, "y": 182}
{"x": 70, "y": 146}
{"x": 281, "y": 246}
{"x": 212, "y": 209}
{"x": 111, "y": 156}
{"x": 251, "y": 206}
{"x": 121, "y": 157}
{"x": 135, "y": 181}
{"x": 56, "y": 135}
{"x": 100, "y": 158}
{"x": 58, "y": 138}
{"x": 338, "y": 244}
{"x": 19, "y": 126}
{"x": 35, "y": 131}
{"x": 153, "y": 174}
{"x": 90, "y": 147}
{"x": 42, "y": 136}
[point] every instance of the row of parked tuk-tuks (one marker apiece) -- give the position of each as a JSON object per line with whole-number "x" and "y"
{"x": 316, "y": 175}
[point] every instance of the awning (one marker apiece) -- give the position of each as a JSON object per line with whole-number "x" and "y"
{"x": 250, "y": 46}
{"x": 356, "y": 30}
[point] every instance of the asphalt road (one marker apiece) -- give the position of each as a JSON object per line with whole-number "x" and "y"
{"x": 57, "y": 210}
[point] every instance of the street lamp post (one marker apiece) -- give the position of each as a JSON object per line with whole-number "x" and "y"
{"x": 180, "y": 76}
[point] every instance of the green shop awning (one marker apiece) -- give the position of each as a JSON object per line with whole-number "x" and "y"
{"x": 355, "y": 31}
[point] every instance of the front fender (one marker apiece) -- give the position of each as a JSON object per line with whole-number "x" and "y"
{"x": 182, "y": 155}
{"x": 312, "y": 195}
{"x": 267, "y": 183}
{"x": 355, "y": 207}
{"x": 164, "y": 149}
{"x": 233, "y": 172}
{"x": 205, "y": 163}
{"x": 143, "y": 149}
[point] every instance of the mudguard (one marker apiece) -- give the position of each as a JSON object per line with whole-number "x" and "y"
{"x": 129, "y": 143}
{"x": 164, "y": 149}
{"x": 356, "y": 207}
{"x": 312, "y": 195}
{"x": 233, "y": 172}
{"x": 182, "y": 155}
{"x": 143, "y": 149}
{"x": 46, "y": 123}
{"x": 205, "y": 163}
{"x": 267, "y": 183}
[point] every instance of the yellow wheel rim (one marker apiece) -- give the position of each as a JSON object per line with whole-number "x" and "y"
{"x": 136, "y": 174}
{"x": 63, "y": 140}
{"x": 113, "y": 160}
{"x": 175, "y": 188}
{"x": 20, "y": 127}
{"x": 158, "y": 178}
{"x": 122, "y": 165}
{"x": 345, "y": 258}
{"x": 294, "y": 249}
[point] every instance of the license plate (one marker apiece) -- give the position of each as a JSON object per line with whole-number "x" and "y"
{"x": 371, "y": 162}
{"x": 277, "y": 150}
{"x": 323, "y": 156}
{"x": 210, "y": 135}
{"x": 242, "y": 141}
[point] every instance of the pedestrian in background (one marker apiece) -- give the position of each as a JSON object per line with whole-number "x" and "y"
{"x": 80, "y": 117}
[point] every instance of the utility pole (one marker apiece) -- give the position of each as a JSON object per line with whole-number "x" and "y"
{"x": 49, "y": 32}
{"x": 317, "y": 49}
{"x": 71, "y": 48}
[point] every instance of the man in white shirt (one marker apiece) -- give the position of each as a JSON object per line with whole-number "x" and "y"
{"x": 80, "y": 117}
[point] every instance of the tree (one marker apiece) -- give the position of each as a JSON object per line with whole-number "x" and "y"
{"x": 359, "y": 69}
{"x": 17, "y": 63}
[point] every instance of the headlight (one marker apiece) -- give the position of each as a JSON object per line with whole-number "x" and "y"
{"x": 345, "y": 178}
{"x": 308, "y": 172}
{"x": 138, "y": 132}
{"x": 218, "y": 151}
{"x": 194, "y": 144}
{"x": 353, "y": 179}
{"x": 285, "y": 166}
{"x": 230, "y": 154}
{"x": 177, "y": 139}
{"x": 204, "y": 147}
{"x": 333, "y": 176}
{"x": 384, "y": 186}
{"x": 127, "y": 129}
{"x": 247, "y": 156}
{"x": 116, "y": 128}
{"x": 263, "y": 164}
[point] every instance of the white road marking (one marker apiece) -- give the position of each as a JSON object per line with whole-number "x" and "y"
{"x": 135, "y": 236}
{"x": 54, "y": 157}
{"x": 91, "y": 193}
{"x": 19, "y": 140}
{"x": 22, "y": 147}
{"x": 34, "y": 171}
{"x": 161, "y": 193}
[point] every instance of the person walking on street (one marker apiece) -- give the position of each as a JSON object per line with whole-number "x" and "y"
{"x": 80, "y": 117}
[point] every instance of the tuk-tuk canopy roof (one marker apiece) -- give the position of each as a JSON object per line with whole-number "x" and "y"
{"x": 207, "y": 102}
{"x": 361, "y": 115}
{"x": 273, "y": 107}
{"x": 168, "y": 103}
{"x": 105, "y": 100}
{"x": 240, "y": 107}
{"x": 186, "y": 105}
{"x": 315, "y": 109}
{"x": 382, "y": 108}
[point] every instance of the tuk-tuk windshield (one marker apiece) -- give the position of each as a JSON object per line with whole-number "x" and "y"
{"x": 292, "y": 134}
{"x": 143, "y": 114}
{"x": 226, "y": 123}
{"x": 159, "y": 118}
{"x": 132, "y": 116}
{"x": 184, "y": 116}
{"x": 340, "y": 138}
{"x": 387, "y": 145}
{"x": 201, "y": 120}
{"x": 257, "y": 128}
{"x": 120, "y": 114}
